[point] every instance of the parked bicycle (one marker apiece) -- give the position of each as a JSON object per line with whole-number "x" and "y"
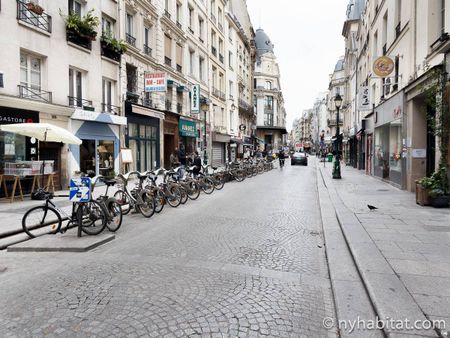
{"x": 110, "y": 204}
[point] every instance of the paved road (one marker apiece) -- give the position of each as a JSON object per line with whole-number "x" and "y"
{"x": 246, "y": 261}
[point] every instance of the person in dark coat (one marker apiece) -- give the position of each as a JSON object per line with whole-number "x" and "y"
{"x": 182, "y": 156}
{"x": 197, "y": 163}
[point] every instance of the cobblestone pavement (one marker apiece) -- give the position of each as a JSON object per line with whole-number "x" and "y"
{"x": 246, "y": 261}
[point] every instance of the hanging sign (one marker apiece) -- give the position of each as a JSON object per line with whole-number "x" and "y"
{"x": 80, "y": 189}
{"x": 383, "y": 66}
{"x": 364, "y": 98}
{"x": 195, "y": 99}
{"x": 155, "y": 82}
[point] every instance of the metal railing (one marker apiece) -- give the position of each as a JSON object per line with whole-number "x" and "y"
{"x": 168, "y": 105}
{"x": 166, "y": 13}
{"x": 109, "y": 108}
{"x": 220, "y": 27}
{"x": 35, "y": 94}
{"x": 179, "y": 25}
{"x": 213, "y": 17}
{"x": 214, "y": 50}
{"x": 132, "y": 97}
{"x": 147, "y": 102}
{"x": 147, "y": 50}
{"x": 218, "y": 93}
{"x": 26, "y": 14}
{"x": 131, "y": 40}
{"x": 79, "y": 102}
{"x": 179, "y": 68}
{"x": 191, "y": 30}
{"x": 179, "y": 108}
{"x": 221, "y": 58}
{"x": 168, "y": 61}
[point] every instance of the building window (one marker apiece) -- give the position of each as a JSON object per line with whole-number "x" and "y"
{"x": 442, "y": 17}
{"x": 231, "y": 89}
{"x": 178, "y": 13}
{"x": 167, "y": 50}
{"x": 268, "y": 85}
{"x": 107, "y": 96}
{"x": 75, "y": 87}
{"x": 268, "y": 103}
{"x": 201, "y": 68}
{"x": 131, "y": 78}
{"x": 230, "y": 60}
{"x": 129, "y": 24}
{"x": 230, "y": 33}
{"x": 166, "y": 5}
{"x": 179, "y": 60}
{"x": 191, "y": 62}
{"x": 75, "y": 7}
{"x": 107, "y": 26}
{"x": 201, "y": 23}
{"x": 30, "y": 71}
{"x": 191, "y": 18}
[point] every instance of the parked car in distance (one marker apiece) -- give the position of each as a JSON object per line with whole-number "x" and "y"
{"x": 299, "y": 158}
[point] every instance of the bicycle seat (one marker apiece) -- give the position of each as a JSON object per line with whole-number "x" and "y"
{"x": 127, "y": 175}
{"x": 110, "y": 183}
{"x": 215, "y": 168}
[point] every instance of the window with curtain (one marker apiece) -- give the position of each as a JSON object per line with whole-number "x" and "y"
{"x": 179, "y": 57}
{"x": 168, "y": 48}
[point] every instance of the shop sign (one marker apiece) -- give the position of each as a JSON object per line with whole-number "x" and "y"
{"x": 87, "y": 115}
{"x": 11, "y": 115}
{"x": 419, "y": 153}
{"x": 242, "y": 127}
{"x": 80, "y": 189}
{"x": 397, "y": 113}
{"x": 187, "y": 128}
{"x": 155, "y": 82}
{"x": 364, "y": 98}
{"x": 195, "y": 99}
{"x": 383, "y": 66}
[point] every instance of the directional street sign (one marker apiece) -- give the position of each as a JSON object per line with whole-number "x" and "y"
{"x": 80, "y": 189}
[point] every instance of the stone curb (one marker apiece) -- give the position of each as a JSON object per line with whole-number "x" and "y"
{"x": 350, "y": 296}
{"x": 389, "y": 296}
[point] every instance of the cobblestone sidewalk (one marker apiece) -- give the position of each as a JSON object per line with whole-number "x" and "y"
{"x": 414, "y": 240}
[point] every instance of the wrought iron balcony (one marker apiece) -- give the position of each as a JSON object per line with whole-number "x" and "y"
{"x": 147, "y": 102}
{"x": 179, "y": 108}
{"x": 166, "y": 13}
{"x": 179, "y": 68}
{"x": 35, "y": 94}
{"x": 218, "y": 93}
{"x": 191, "y": 30}
{"x": 147, "y": 50}
{"x": 213, "y": 18}
{"x": 29, "y": 13}
{"x": 110, "y": 52}
{"x": 332, "y": 122}
{"x": 132, "y": 97}
{"x": 80, "y": 102}
{"x": 131, "y": 40}
{"x": 81, "y": 40}
{"x": 168, "y": 61}
{"x": 179, "y": 25}
{"x": 109, "y": 108}
{"x": 220, "y": 57}
{"x": 168, "y": 105}
{"x": 220, "y": 27}
{"x": 214, "y": 50}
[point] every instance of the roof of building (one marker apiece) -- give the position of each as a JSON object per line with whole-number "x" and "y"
{"x": 355, "y": 9}
{"x": 263, "y": 42}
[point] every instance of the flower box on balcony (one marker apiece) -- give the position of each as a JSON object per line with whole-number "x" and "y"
{"x": 35, "y": 8}
{"x": 112, "y": 48}
{"x": 81, "y": 30}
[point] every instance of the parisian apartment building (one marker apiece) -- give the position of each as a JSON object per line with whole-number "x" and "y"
{"x": 85, "y": 65}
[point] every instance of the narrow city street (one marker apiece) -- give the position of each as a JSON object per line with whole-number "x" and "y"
{"x": 246, "y": 261}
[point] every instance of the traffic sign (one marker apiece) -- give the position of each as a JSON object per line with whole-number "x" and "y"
{"x": 80, "y": 189}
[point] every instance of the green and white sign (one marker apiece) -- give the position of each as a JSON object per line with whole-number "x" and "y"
{"x": 195, "y": 99}
{"x": 187, "y": 128}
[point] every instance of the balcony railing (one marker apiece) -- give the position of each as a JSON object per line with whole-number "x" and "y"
{"x": 179, "y": 25}
{"x": 168, "y": 61}
{"x": 110, "y": 52}
{"x": 132, "y": 97}
{"x": 219, "y": 94}
{"x": 79, "y": 39}
{"x": 147, "y": 50}
{"x": 166, "y": 13}
{"x": 244, "y": 105}
{"x": 168, "y": 105}
{"x": 26, "y": 13}
{"x": 79, "y": 102}
{"x": 35, "y": 94}
{"x": 220, "y": 27}
{"x": 179, "y": 68}
{"x": 398, "y": 30}
{"x": 214, "y": 50}
{"x": 179, "y": 108}
{"x": 109, "y": 108}
{"x": 332, "y": 122}
{"x": 213, "y": 18}
{"x": 220, "y": 57}
{"x": 147, "y": 102}
{"x": 131, "y": 40}
{"x": 191, "y": 30}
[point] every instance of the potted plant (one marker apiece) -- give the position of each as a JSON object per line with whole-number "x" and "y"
{"x": 116, "y": 45}
{"x": 423, "y": 187}
{"x": 439, "y": 190}
{"x": 35, "y": 8}
{"x": 83, "y": 26}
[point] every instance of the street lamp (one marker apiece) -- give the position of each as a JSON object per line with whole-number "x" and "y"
{"x": 337, "y": 162}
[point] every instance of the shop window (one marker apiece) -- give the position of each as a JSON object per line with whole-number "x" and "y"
{"x": 105, "y": 151}
{"x": 395, "y": 146}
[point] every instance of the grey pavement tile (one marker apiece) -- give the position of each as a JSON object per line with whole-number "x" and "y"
{"x": 434, "y": 305}
{"x": 400, "y": 254}
{"x": 341, "y": 265}
{"x": 427, "y": 285}
{"x": 369, "y": 258}
{"x": 394, "y": 237}
{"x": 425, "y": 248}
{"x": 436, "y": 258}
{"x": 424, "y": 268}
{"x": 434, "y": 237}
{"x": 387, "y": 245}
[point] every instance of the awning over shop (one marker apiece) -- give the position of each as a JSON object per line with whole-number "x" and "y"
{"x": 274, "y": 128}
{"x": 236, "y": 140}
{"x": 217, "y": 137}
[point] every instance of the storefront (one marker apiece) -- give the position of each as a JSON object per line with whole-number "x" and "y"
{"x": 219, "y": 146}
{"x": 171, "y": 136}
{"x": 100, "y": 135}
{"x": 142, "y": 136}
{"x": 388, "y": 135}
{"x": 188, "y": 135}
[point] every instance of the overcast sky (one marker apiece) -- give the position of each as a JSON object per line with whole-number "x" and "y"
{"x": 308, "y": 42}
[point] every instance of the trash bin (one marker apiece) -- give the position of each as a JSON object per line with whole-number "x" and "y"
{"x": 330, "y": 157}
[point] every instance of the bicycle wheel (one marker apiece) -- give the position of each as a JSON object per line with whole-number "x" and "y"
{"x": 115, "y": 215}
{"x": 239, "y": 175}
{"x": 147, "y": 209}
{"x": 219, "y": 181}
{"x": 123, "y": 200}
{"x": 184, "y": 194}
{"x": 40, "y": 221}
{"x": 159, "y": 200}
{"x": 193, "y": 190}
{"x": 93, "y": 218}
{"x": 174, "y": 198}
{"x": 207, "y": 185}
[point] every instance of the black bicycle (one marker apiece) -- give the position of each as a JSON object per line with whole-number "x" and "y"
{"x": 48, "y": 218}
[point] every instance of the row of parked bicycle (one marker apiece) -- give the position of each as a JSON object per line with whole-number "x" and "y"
{"x": 147, "y": 196}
